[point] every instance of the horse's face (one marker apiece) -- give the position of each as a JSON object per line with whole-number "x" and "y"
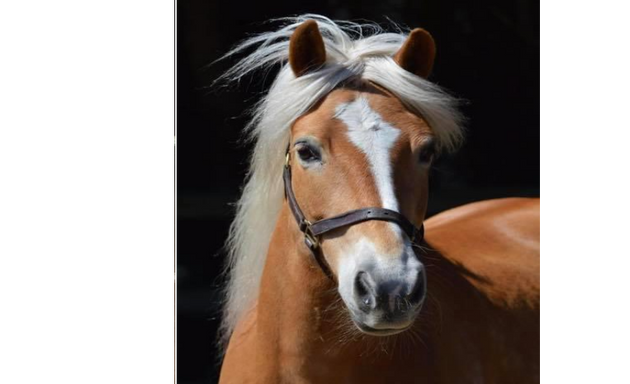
{"x": 360, "y": 147}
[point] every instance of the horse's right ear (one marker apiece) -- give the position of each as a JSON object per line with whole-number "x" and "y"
{"x": 306, "y": 48}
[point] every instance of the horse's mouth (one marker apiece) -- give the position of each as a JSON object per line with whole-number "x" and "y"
{"x": 380, "y": 331}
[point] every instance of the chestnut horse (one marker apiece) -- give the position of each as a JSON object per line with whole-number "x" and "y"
{"x": 369, "y": 300}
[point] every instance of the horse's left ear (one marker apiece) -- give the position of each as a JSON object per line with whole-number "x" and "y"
{"x": 306, "y": 48}
{"x": 417, "y": 53}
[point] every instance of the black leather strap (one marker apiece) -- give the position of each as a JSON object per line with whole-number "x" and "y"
{"x": 360, "y": 215}
{"x": 288, "y": 191}
{"x": 311, "y": 241}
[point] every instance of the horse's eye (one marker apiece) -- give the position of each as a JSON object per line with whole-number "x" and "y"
{"x": 426, "y": 157}
{"x": 427, "y": 153}
{"x": 308, "y": 154}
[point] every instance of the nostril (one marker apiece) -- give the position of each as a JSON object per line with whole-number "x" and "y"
{"x": 363, "y": 292}
{"x": 402, "y": 304}
{"x": 417, "y": 295}
{"x": 360, "y": 284}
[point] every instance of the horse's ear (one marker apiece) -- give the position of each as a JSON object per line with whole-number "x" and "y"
{"x": 417, "y": 53}
{"x": 306, "y": 48}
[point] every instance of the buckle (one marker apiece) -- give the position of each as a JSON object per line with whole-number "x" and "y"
{"x": 311, "y": 239}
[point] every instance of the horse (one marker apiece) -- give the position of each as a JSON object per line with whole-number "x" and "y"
{"x": 334, "y": 275}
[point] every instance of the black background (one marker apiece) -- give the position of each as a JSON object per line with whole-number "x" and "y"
{"x": 488, "y": 55}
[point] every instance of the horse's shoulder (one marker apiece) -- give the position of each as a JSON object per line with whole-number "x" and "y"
{"x": 496, "y": 245}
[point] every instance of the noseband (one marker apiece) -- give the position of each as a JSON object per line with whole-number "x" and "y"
{"x": 312, "y": 231}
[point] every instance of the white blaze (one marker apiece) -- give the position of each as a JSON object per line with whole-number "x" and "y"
{"x": 375, "y": 138}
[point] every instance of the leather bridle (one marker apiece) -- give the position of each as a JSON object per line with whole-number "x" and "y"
{"x": 313, "y": 230}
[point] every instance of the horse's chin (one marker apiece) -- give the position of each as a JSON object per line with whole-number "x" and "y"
{"x": 381, "y": 331}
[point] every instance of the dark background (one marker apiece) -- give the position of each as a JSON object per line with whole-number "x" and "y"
{"x": 488, "y": 54}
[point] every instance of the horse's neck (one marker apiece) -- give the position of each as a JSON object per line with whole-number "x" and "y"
{"x": 294, "y": 294}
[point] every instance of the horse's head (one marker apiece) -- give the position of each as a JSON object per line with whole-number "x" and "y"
{"x": 362, "y": 124}
{"x": 359, "y": 147}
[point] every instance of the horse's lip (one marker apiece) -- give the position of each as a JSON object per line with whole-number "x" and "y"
{"x": 380, "y": 331}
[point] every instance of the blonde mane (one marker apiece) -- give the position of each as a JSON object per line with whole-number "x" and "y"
{"x": 353, "y": 51}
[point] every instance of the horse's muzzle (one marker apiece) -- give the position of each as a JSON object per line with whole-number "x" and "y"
{"x": 387, "y": 306}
